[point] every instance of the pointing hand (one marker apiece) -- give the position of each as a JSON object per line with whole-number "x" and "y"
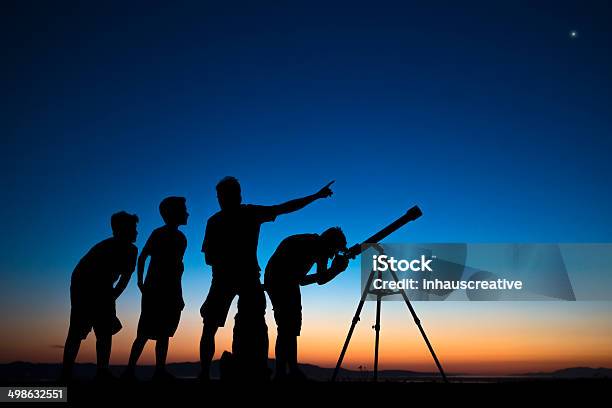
{"x": 325, "y": 191}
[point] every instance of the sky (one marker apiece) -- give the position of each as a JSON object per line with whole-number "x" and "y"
{"x": 490, "y": 116}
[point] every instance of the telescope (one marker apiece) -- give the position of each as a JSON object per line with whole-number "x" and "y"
{"x": 410, "y": 215}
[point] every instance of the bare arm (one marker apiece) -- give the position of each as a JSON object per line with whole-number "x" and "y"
{"x": 125, "y": 275}
{"x": 122, "y": 284}
{"x": 309, "y": 280}
{"x": 313, "y": 278}
{"x": 208, "y": 259}
{"x": 323, "y": 274}
{"x": 299, "y": 203}
{"x": 142, "y": 259}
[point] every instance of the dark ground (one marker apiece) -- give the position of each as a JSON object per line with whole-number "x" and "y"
{"x": 396, "y": 387}
{"x": 188, "y": 392}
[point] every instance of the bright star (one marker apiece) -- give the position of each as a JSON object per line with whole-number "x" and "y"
{"x": 573, "y": 34}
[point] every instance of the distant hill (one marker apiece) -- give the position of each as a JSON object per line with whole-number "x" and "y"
{"x": 23, "y": 371}
{"x": 575, "y": 372}
{"x": 36, "y": 372}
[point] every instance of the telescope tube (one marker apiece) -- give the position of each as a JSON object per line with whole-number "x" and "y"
{"x": 411, "y": 215}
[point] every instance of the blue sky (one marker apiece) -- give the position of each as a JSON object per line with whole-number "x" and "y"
{"x": 487, "y": 115}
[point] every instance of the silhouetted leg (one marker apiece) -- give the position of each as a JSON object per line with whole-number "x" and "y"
{"x": 207, "y": 349}
{"x": 161, "y": 352}
{"x": 281, "y": 356}
{"x": 71, "y": 350}
{"x": 250, "y": 341}
{"x": 104, "y": 343}
{"x": 137, "y": 348}
{"x": 292, "y": 354}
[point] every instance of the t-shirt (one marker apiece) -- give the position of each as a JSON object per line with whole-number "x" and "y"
{"x": 292, "y": 260}
{"x": 231, "y": 238}
{"x": 96, "y": 273}
{"x": 166, "y": 246}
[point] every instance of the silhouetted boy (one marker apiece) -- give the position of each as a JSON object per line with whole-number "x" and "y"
{"x": 162, "y": 296}
{"x": 286, "y": 271}
{"x": 93, "y": 296}
{"x": 230, "y": 247}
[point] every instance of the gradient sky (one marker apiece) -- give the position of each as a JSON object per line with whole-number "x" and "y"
{"x": 488, "y": 115}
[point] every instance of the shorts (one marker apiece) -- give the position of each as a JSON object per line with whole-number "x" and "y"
{"x": 251, "y": 302}
{"x": 159, "y": 316}
{"x": 287, "y": 305}
{"x": 101, "y": 318}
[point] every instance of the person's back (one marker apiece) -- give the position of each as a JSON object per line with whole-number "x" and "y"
{"x": 166, "y": 247}
{"x": 292, "y": 260}
{"x": 98, "y": 270}
{"x": 231, "y": 241}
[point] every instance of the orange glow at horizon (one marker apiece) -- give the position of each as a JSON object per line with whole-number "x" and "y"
{"x": 497, "y": 339}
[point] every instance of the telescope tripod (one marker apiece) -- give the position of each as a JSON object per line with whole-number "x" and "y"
{"x": 380, "y": 293}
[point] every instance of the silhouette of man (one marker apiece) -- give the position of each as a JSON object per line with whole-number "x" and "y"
{"x": 286, "y": 271}
{"x": 230, "y": 248}
{"x": 162, "y": 296}
{"x": 93, "y": 296}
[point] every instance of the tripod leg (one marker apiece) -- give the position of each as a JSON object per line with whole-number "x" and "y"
{"x": 377, "y": 329}
{"x": 418, "y": 323}
{"x": 366, "y": 289}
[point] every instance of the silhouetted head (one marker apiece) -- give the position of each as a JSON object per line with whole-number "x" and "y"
{"x": 228, "y": 193}
{"x": 124, "y": 226}
{"x": 174, "y": 211}
{"x": 334, "y": 241}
